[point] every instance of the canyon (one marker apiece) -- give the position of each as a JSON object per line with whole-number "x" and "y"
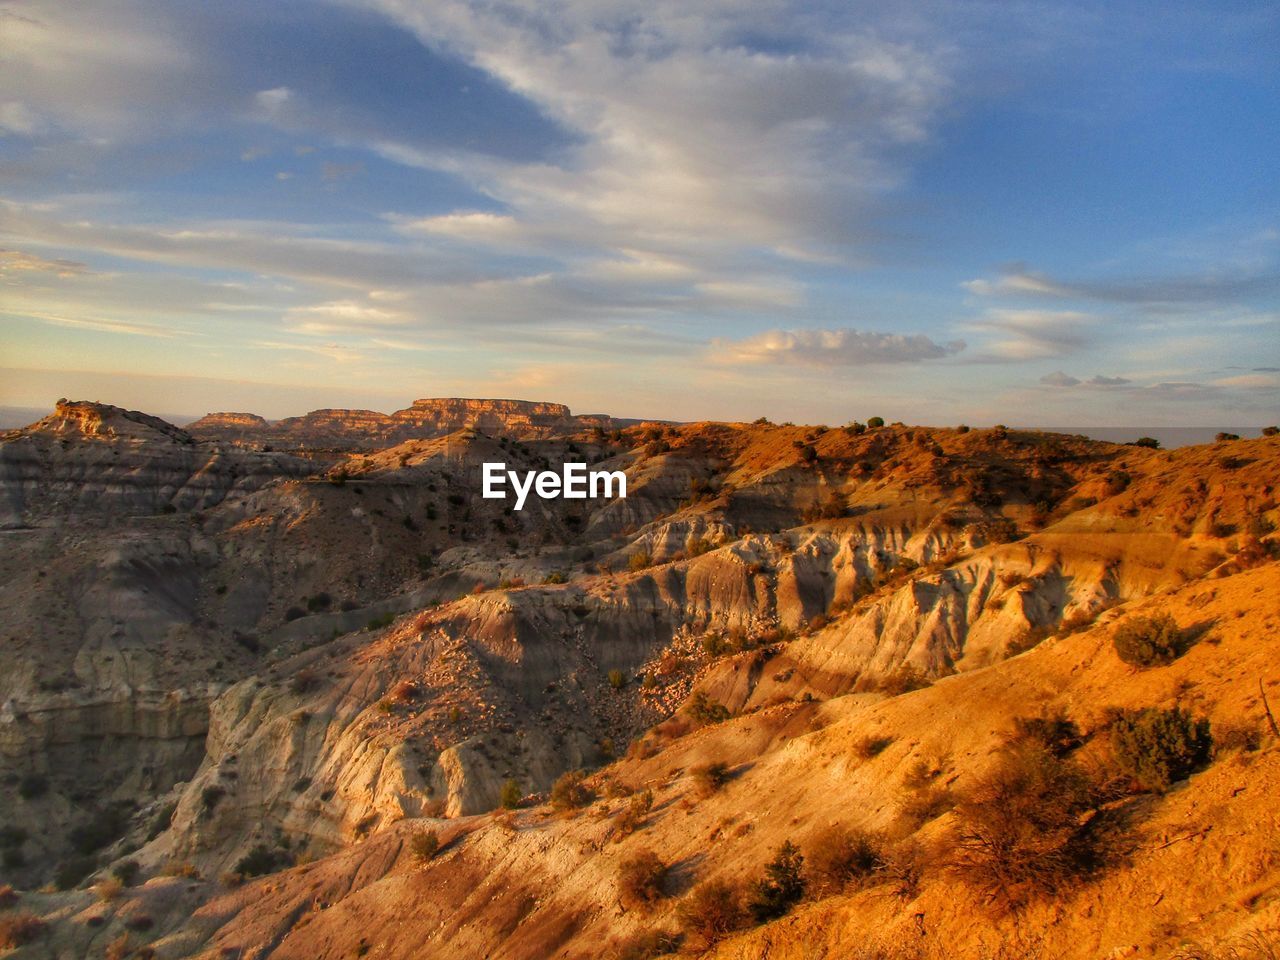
{"x": 249, "y": 664}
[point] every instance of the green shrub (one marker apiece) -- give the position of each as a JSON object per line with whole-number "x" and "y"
{"x": 570, "y": 792}
{"x": 511, "y": 795}
{"x": 839, "y": 857}
{"x": 424, "y": 845}
{"x": 642, "y": 880}
{"x": 874, "y": 423}
{"x": 260, "y": 860}
{"x": 1160, "y": 747}
{"x": 712, "y": 910}
{"x": 702, "y": 709}
{"x": 782, "y": 886}
{"x": 1148, "y": 641}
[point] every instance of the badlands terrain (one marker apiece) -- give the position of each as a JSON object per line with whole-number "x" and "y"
{"x": 292, "y": 689}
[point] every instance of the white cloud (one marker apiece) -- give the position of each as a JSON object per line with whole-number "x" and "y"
{"x": 831, "y": 348}
{"x": 1031, "y": 334}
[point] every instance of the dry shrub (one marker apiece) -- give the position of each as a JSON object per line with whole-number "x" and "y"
{"x": 118, "y": 949}
{"x": 1259, "y": 945}
{"x": 632, "y": 817}
{"x": 925, "y": 804}
{"x": 839, "y": 857}
{"x": 642, "y": 880}
{"x": 108, "y": 889}
{"x": 708, "y": 778}
{"x": 869, "y": 747}
{"x": 8, "y": 896}
{"x": 1030, "y": 828}
{"x": 570, "y": 792}
{"x": 19, "y": 929}
{"x": 903, "y": 680}
{"x": 712, "y": 910}
{"x": 1054, "y": 732}
{"x": 647, "y": 945}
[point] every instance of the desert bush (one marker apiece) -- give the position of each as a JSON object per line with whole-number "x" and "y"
{"x": 8, "y": 896}
{"x": 874, "y": 423}
{"x": 1259, "y": 945}
{"x": 139, "y": 922}
{"x": 33, "y": 786}
{"x": 708, "y": 778}
{"x": 424, "y": 845}
{"x": 903, "y": 680}
{"x": 1053, "y": 732}
{"x": 868, "y": 747}
{"x": 1024, "y": 832}
{"x": 126, "y": 871}
{"x": 702, "y": 709}
{"x": 260, "y": 860}
{"x": 1148, "y": 641}
{"x": 926, "y": 803}
{"x": 839, "y": 857}
{"x": 639, "y": 560}
{"x": 617, "y": 679}
{"x": 19, "y": 929}
{"x": 70, "y": 872}
{"x": 511, "y": 795}
{"x": 108, "y": 889}
{"x": 1158, "y": 747}
{"x": 781, "y": 888}
{"x": 304, "y": 680}
{"x": 641, "y": 880}
{"x": 646, "y": 945}
{"x": 633, "y": 815}
{"x": 570, "y": 792}
{"x": 712, "y": 910}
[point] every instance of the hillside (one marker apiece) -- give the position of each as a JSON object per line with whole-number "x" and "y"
{"x": 261, "y": 678}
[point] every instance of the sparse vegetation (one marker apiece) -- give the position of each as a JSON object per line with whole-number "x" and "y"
{"x": 703, "y": 710}
{"x": 1160, "y": 747}
{"x": 840, "y": 857}
{"x": 1148, "y": 641}
{"x": 511, "y": 795}
{"x": 1025, "y": 832}
{"x": 424, "y": 845}
{"x": 20, "y": 929}
{"x": 570, "y": 792}
{"x": 646, "y": 945}
{"x": 708, "y": 778}
{"x": 712, "y": 910}
{"x": 641, "y": 880}
{"x": 781, "y": 888}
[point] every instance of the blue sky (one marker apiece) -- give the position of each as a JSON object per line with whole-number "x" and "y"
{"x": 1024, "y": 212}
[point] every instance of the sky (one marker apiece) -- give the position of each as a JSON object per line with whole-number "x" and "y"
{"x": 938, "y": 212}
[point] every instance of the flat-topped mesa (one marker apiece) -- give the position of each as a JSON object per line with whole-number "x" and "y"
{"x": 212, "y": 423}
{"x": 425, "y": 419}
{"x": 446, "y": 415}
{"x": 87, "y": 418}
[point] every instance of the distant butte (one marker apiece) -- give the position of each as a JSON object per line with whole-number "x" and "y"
{"x": 425, "y": 419}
